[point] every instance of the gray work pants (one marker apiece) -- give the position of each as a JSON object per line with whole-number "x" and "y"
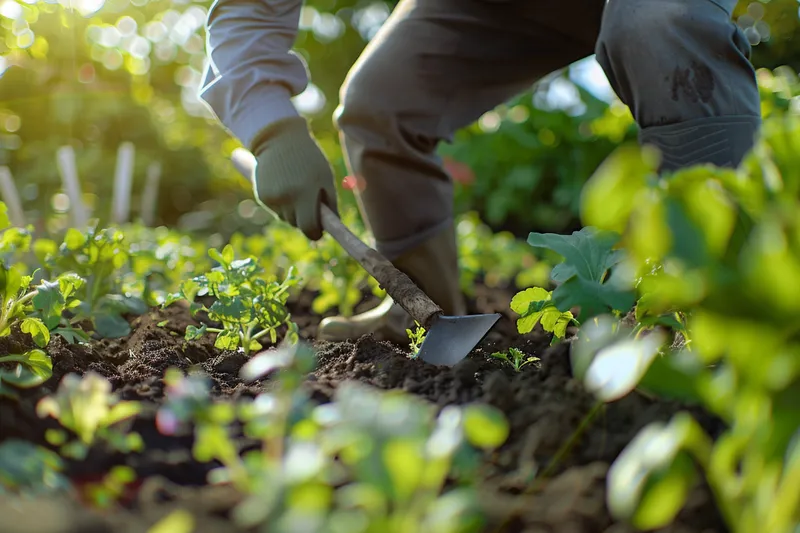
{"x": 682, "y": 66}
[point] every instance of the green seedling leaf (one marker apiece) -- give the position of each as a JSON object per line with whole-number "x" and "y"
{"x": 49, "y": 301}
{"x": 535, "y": 306}
{"x": 37, "y": 330}
{"x": 485, "y": 426}
{"x": 227, "y": 340}
{"x": 193, "y": 332}
{"x": 72, "y": 335}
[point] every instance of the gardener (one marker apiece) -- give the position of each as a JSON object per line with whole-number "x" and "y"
{"x": 682, "y": 66}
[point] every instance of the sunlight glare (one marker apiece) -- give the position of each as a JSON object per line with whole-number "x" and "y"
{"x": 10, "y": 9}
{"x": 88, "y": 7}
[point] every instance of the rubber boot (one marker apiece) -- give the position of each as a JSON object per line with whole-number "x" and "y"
{"x": 433, "y": 266}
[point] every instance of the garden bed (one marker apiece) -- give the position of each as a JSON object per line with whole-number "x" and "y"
{"x": 561, "y": 438}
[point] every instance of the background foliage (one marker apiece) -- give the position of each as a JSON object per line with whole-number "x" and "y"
{"x": 95, "y": 73}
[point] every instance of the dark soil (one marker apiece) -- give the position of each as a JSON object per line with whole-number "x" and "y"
{"x": 544, "y": 405}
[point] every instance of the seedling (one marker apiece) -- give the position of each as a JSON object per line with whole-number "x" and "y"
{"x": 417, "y": 337}
{"x": 516, "y": 358}
{"x": 98, "y": 257}
{"x": 248, "y": 306}
{"x": 26, "y": 468}
{"x": 86, "y": 407}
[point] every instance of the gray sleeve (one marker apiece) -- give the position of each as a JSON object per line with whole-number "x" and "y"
{"x": 252, "y": 73}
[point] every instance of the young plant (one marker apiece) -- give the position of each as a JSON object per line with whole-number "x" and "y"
{"x": 516, "y": 358}
{"x": 417, "y": 337}
{"x": 583, "y": 278}
{"x": 100, "y": 257}
{"x": 16, "y": 295}
{"x": 38, "y": 310}
{"x": 86, "y": 408}
{"x": 248, "y": 306}
{"x": 32, "y": 369}
{"x": 30, "y": 470}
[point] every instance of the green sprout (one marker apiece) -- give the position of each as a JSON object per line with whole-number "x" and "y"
{"x": 417, "y": 337}
{"x": 516, "y": 358}
{"x": 87, "y": 408}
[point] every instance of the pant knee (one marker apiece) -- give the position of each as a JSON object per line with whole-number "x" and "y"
{"x": 677, "y": 60}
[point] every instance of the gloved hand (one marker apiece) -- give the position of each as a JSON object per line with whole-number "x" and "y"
{"x": 292, "y": 175}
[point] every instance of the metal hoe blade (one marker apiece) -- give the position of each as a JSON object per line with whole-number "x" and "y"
{"x": 451, "y": 338}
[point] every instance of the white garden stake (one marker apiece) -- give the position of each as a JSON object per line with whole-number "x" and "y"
{"x": 123, "y": 180}
{"x": 69, "y": 177}
{"x": 11, "y": 198}
{"x": 150, "y": 195}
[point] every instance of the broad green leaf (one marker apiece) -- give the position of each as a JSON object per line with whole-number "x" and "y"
{"x": 49, "y": 302}
{"x": 667, "y": 380}
{"x": 588, "y": 253}
{"x": 227, "y": 340}
{"x": 22, "y": 377}
{"x": 74, "y": 239}
{"x": 72, "y": 335}
{"x": 37, "y": 330}
{"x": 485, "y": 426}
{"x": 592, "y": 297}
{"x": 111, "y": 325}
{"x": 193, "y": 332}
{"x": 37, "y": 361}
{"x": 401, "y": 457}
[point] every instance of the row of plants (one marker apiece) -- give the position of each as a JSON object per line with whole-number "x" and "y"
{"x": 87, "y": 284}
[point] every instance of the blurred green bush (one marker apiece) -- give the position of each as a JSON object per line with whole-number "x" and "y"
{"x": 95, "y": 73}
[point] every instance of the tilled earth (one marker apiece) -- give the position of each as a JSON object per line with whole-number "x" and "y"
{"x": 546, "y": 408}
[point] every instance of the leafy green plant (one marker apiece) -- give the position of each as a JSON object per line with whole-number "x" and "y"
{"x": 86, "y": 408}
{"x": 32, "y": 369}
{"x": 246, "y": 304}
{"x": 38, "y": 310}
{"x": 100, "y": 257}
{"x": 717, "y": 250}
{"x": 16, "y": 297}
{"x": 381, "y": 459}
{"x": 516, "y": 358}
{"x": 28, "y": 469}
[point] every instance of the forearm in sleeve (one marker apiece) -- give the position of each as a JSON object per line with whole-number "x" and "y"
{"x": 252, "y": 72}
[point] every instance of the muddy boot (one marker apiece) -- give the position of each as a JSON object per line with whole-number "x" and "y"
{"x": 433, "y": 266}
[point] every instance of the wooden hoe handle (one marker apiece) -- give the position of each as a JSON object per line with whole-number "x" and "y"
{"x": 398, "y": 285}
